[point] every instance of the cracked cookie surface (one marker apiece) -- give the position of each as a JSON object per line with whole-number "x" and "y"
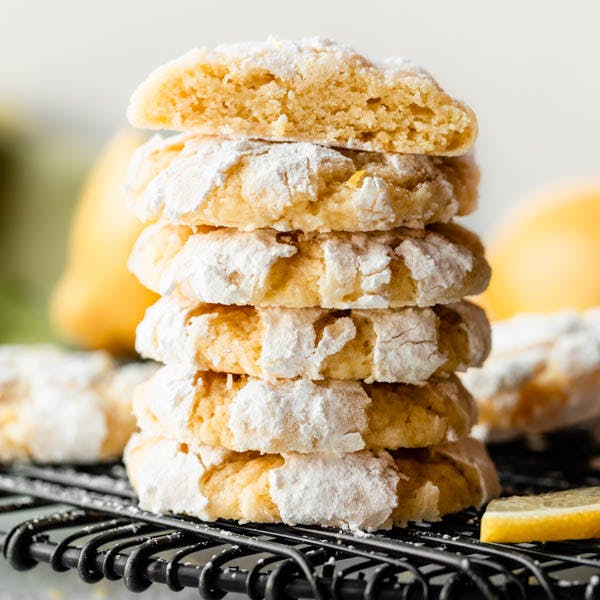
{"x": 401, "y": 267}
{"x": 243, "y": 413}
{"x": 406, "y": 345}
{"x": 193, "y": 180}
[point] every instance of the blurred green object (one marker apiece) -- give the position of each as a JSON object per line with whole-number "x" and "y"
{"x": 41, "y": 171}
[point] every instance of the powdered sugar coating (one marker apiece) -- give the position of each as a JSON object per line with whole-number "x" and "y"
{"x": 169, "y": 400}
{"x": 290, "y": 347}
{"x": 351, "y": 491}
{"x": 224, "y": 266}
{"x": 374, "y": 204}
{"x": 276, "y": 175}
{"x": 286, "y": 57}
{"x": 153, "y": 251}
{"x": 64, "y": 425}
{"x": 300, "y": 415}
{"x": 212, "y": 456}
{"x": 162, "y": 333}
{"x": 168, "y": 479}
{"x": 435, "y": 264}
{"x": 183, "y": 187}
{"x": 353, "y": 258}
{"x": 406, "y": 345}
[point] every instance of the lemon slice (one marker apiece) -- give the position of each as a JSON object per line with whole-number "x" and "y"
{"x": 572, "y": 514}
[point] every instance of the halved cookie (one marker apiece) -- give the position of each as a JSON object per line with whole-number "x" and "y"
{"x": 406, "y": 345}
{"x": 193, "y": 180}
{"x": 543, "y": 374}
{"x": 401, "y": 267}
{"x": 59, "y": 406}
{"x": 311, "y": 90}
{"x": 365, "y": 490}
{"x": 299, "y": 415}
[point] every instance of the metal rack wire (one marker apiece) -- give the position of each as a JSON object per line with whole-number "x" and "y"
{"x": 88, "y": 520}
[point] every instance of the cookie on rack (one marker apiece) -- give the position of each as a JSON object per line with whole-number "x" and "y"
{"x": 383, "y": 269}
{"x": 193, "y": 180}
{"x": 366, "y": 490}
{"x": 406, "y": 345}
{"x": 58, "y": 406}
{"x": 243, "y": 413}
{"x": 310, "y": 90}
{"x": 543, "y": 374}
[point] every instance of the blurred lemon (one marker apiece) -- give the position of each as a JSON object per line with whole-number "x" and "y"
{"x": 97, "y": 303}
{"x": 547, "y": 254}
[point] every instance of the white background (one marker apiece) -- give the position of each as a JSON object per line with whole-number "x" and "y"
{"x": 529, "y": 69}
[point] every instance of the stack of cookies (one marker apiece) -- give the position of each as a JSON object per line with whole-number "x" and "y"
{"x": 311, "y": 316}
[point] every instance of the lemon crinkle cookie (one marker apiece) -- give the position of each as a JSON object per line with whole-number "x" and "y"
{"x": 300, "y": 415}
{"x": 543, "y": 374}
{"x": 406, "y": 345}
{"x": 401, "y": 267}
{"x": 311, "y": 90}
{"x": 193, "y": 180}
{"x": 365, "y": 490}
{"x": 59, "y": 406}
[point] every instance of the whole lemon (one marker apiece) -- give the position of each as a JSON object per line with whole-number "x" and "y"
{"x": 97, "y": 302}
{"x": 546, "y": 255}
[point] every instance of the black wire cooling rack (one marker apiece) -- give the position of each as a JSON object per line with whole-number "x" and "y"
{"x": 88, "y": 520}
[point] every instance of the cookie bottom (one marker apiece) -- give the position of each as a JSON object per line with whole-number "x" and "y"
{"x": 364, "y": 490}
